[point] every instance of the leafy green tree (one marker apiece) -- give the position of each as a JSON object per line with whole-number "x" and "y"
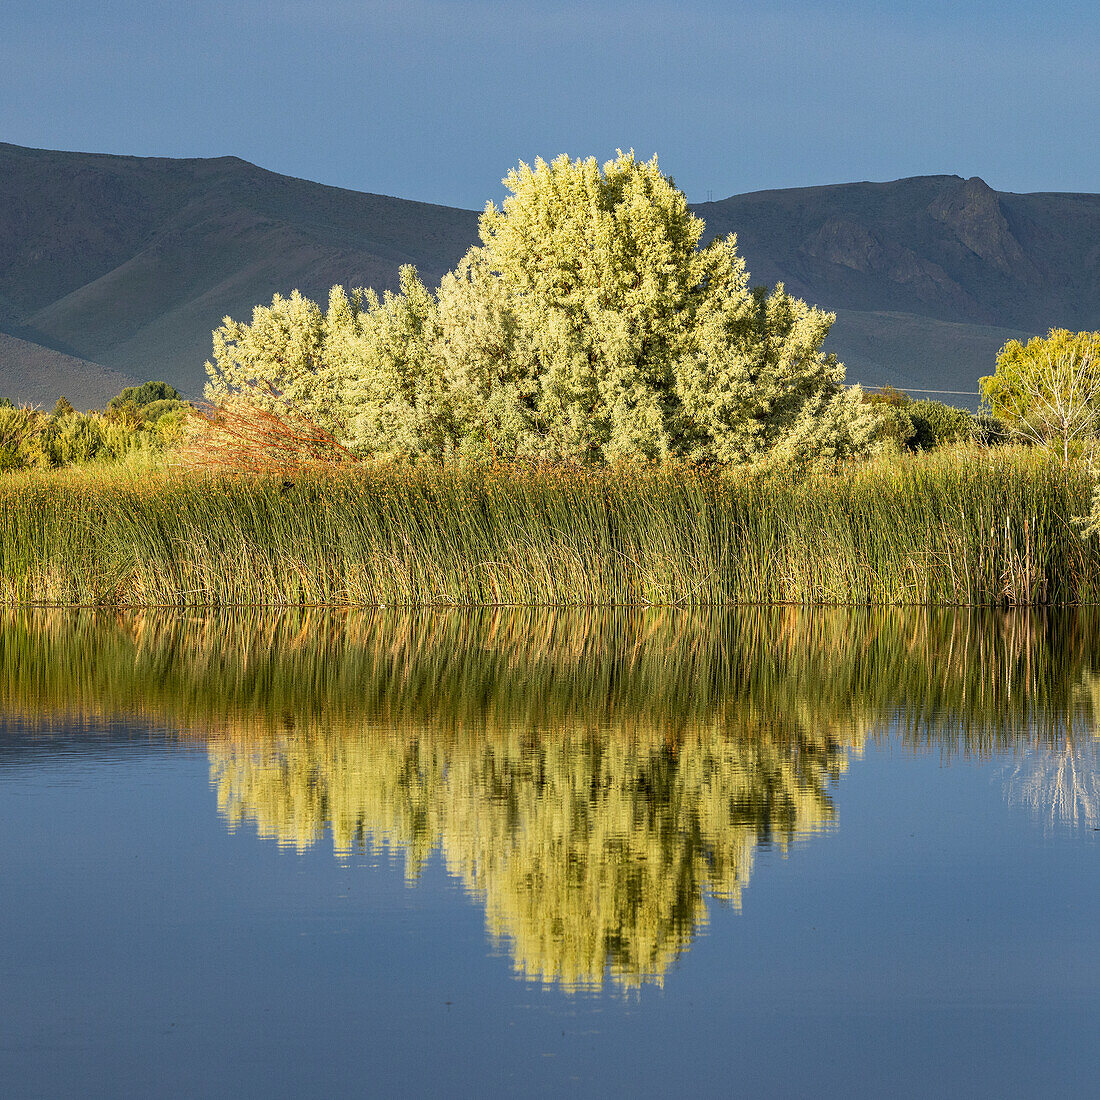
{"x": 276, "y": 362}
{"x": 383, "y": 357}
{"x": 154, "y": 410}
{"x": 590, "y": 325}
{"x": 1048, "y": 390}
{"x": 936, "y": 424}
{"x": 895, "y": 430}
{"x": 146, "y": 394}
{"x": 126, "y": 415}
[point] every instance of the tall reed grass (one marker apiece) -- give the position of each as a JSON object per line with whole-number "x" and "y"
{"x": 959, "y": 526}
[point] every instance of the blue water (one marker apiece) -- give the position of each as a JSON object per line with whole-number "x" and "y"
{"x": 938, "y": 936}
{"x": 937, "y": 941}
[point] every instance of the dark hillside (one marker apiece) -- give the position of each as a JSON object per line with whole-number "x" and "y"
{"x": 128, "y": 263}
{"x": 35, "y": 375}
{"x": 969, "y": 267}
{"x": 940, "y": 246}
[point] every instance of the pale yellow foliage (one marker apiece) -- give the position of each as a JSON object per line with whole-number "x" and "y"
{"x": 593, "y": 853}
{"x": 589, "y": 325}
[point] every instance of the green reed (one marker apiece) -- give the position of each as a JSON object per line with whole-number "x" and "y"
{"x": 961, "y": 526}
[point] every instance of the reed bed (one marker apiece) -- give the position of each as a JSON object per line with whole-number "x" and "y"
{"x": 966, "y": 526}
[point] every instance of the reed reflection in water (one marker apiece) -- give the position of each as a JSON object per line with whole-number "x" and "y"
{"x": 595, "y": 778}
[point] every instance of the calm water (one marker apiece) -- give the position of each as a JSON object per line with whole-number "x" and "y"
{"x": 771, "y": 852}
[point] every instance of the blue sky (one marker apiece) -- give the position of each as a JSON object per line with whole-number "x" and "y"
{"x": 436, "y": 99}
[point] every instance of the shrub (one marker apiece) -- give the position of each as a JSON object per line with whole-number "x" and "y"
{"x": 80, "y": 439}
{"x": 146, "y": 394}
{"x": 935, "y": 424}
{"x": 990, "y": 430}
{"x": 153, "y": 411}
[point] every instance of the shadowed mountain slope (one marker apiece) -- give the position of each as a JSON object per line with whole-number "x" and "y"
{"x": 131, "y": 262}
{"x": 128, "y": 263}
{"x": 929, "y": 276}
{"x": 37, "y": 375}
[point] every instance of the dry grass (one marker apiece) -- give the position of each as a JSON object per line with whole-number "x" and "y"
{"x": 250, "y": 440}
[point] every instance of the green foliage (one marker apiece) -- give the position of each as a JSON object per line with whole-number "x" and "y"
{"x": 125, "y": 414}
{"x": 990, "y": 430}
{"x": 601, "y": 293}
{"x": 382, "y": 358}
{"x": 1048, "y": 390}
{"x": 146, "y": 394}
{"x": 924, "y": 425}
{"x": 887, "y": 395}
{"x": 896, "y": 427}
{"x": 80, "y": 439}
{"x": 31, "y": 439}
{"x": 587, "y": 326}
{"x": 277, "y": 362}
{"x": 12, "y": 428}
{"x": 169, "y": 426}
{"x": 936, "y": 424}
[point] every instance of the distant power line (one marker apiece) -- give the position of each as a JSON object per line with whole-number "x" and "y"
{"x": 909, "y": 389}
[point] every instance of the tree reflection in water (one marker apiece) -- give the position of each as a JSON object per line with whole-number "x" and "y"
{"x": 593, "y": 776}
{"x": 593, "y": 850}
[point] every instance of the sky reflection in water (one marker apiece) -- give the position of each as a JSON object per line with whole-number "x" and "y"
{"x": 604, "y": 788}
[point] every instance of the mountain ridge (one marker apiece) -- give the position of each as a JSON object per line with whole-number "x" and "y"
{"x": 127, "y": 263}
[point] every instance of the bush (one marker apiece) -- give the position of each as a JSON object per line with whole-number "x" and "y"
{"x": 169, "y": 427}
{"x": 126, "y": 414}
{"x": 887, "y": 395}
{"x": 30, "y": 438}
{"x": 896, "y": 428}
{"x": 935, "y": 424}
{"x": 79, "y": 440}
{"x": 146, "y": 394}
{"x": 152, "y": 412}
{"x": 990, "y": 430}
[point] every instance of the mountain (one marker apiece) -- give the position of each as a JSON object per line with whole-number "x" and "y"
{"x": 129, "y": 262}
{"x": 36, "y": 375}
{"x": 928, "y": 276}
{"x": 126, "y": 264}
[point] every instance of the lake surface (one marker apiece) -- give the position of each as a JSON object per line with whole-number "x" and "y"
{"x": 770, "y": 852}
